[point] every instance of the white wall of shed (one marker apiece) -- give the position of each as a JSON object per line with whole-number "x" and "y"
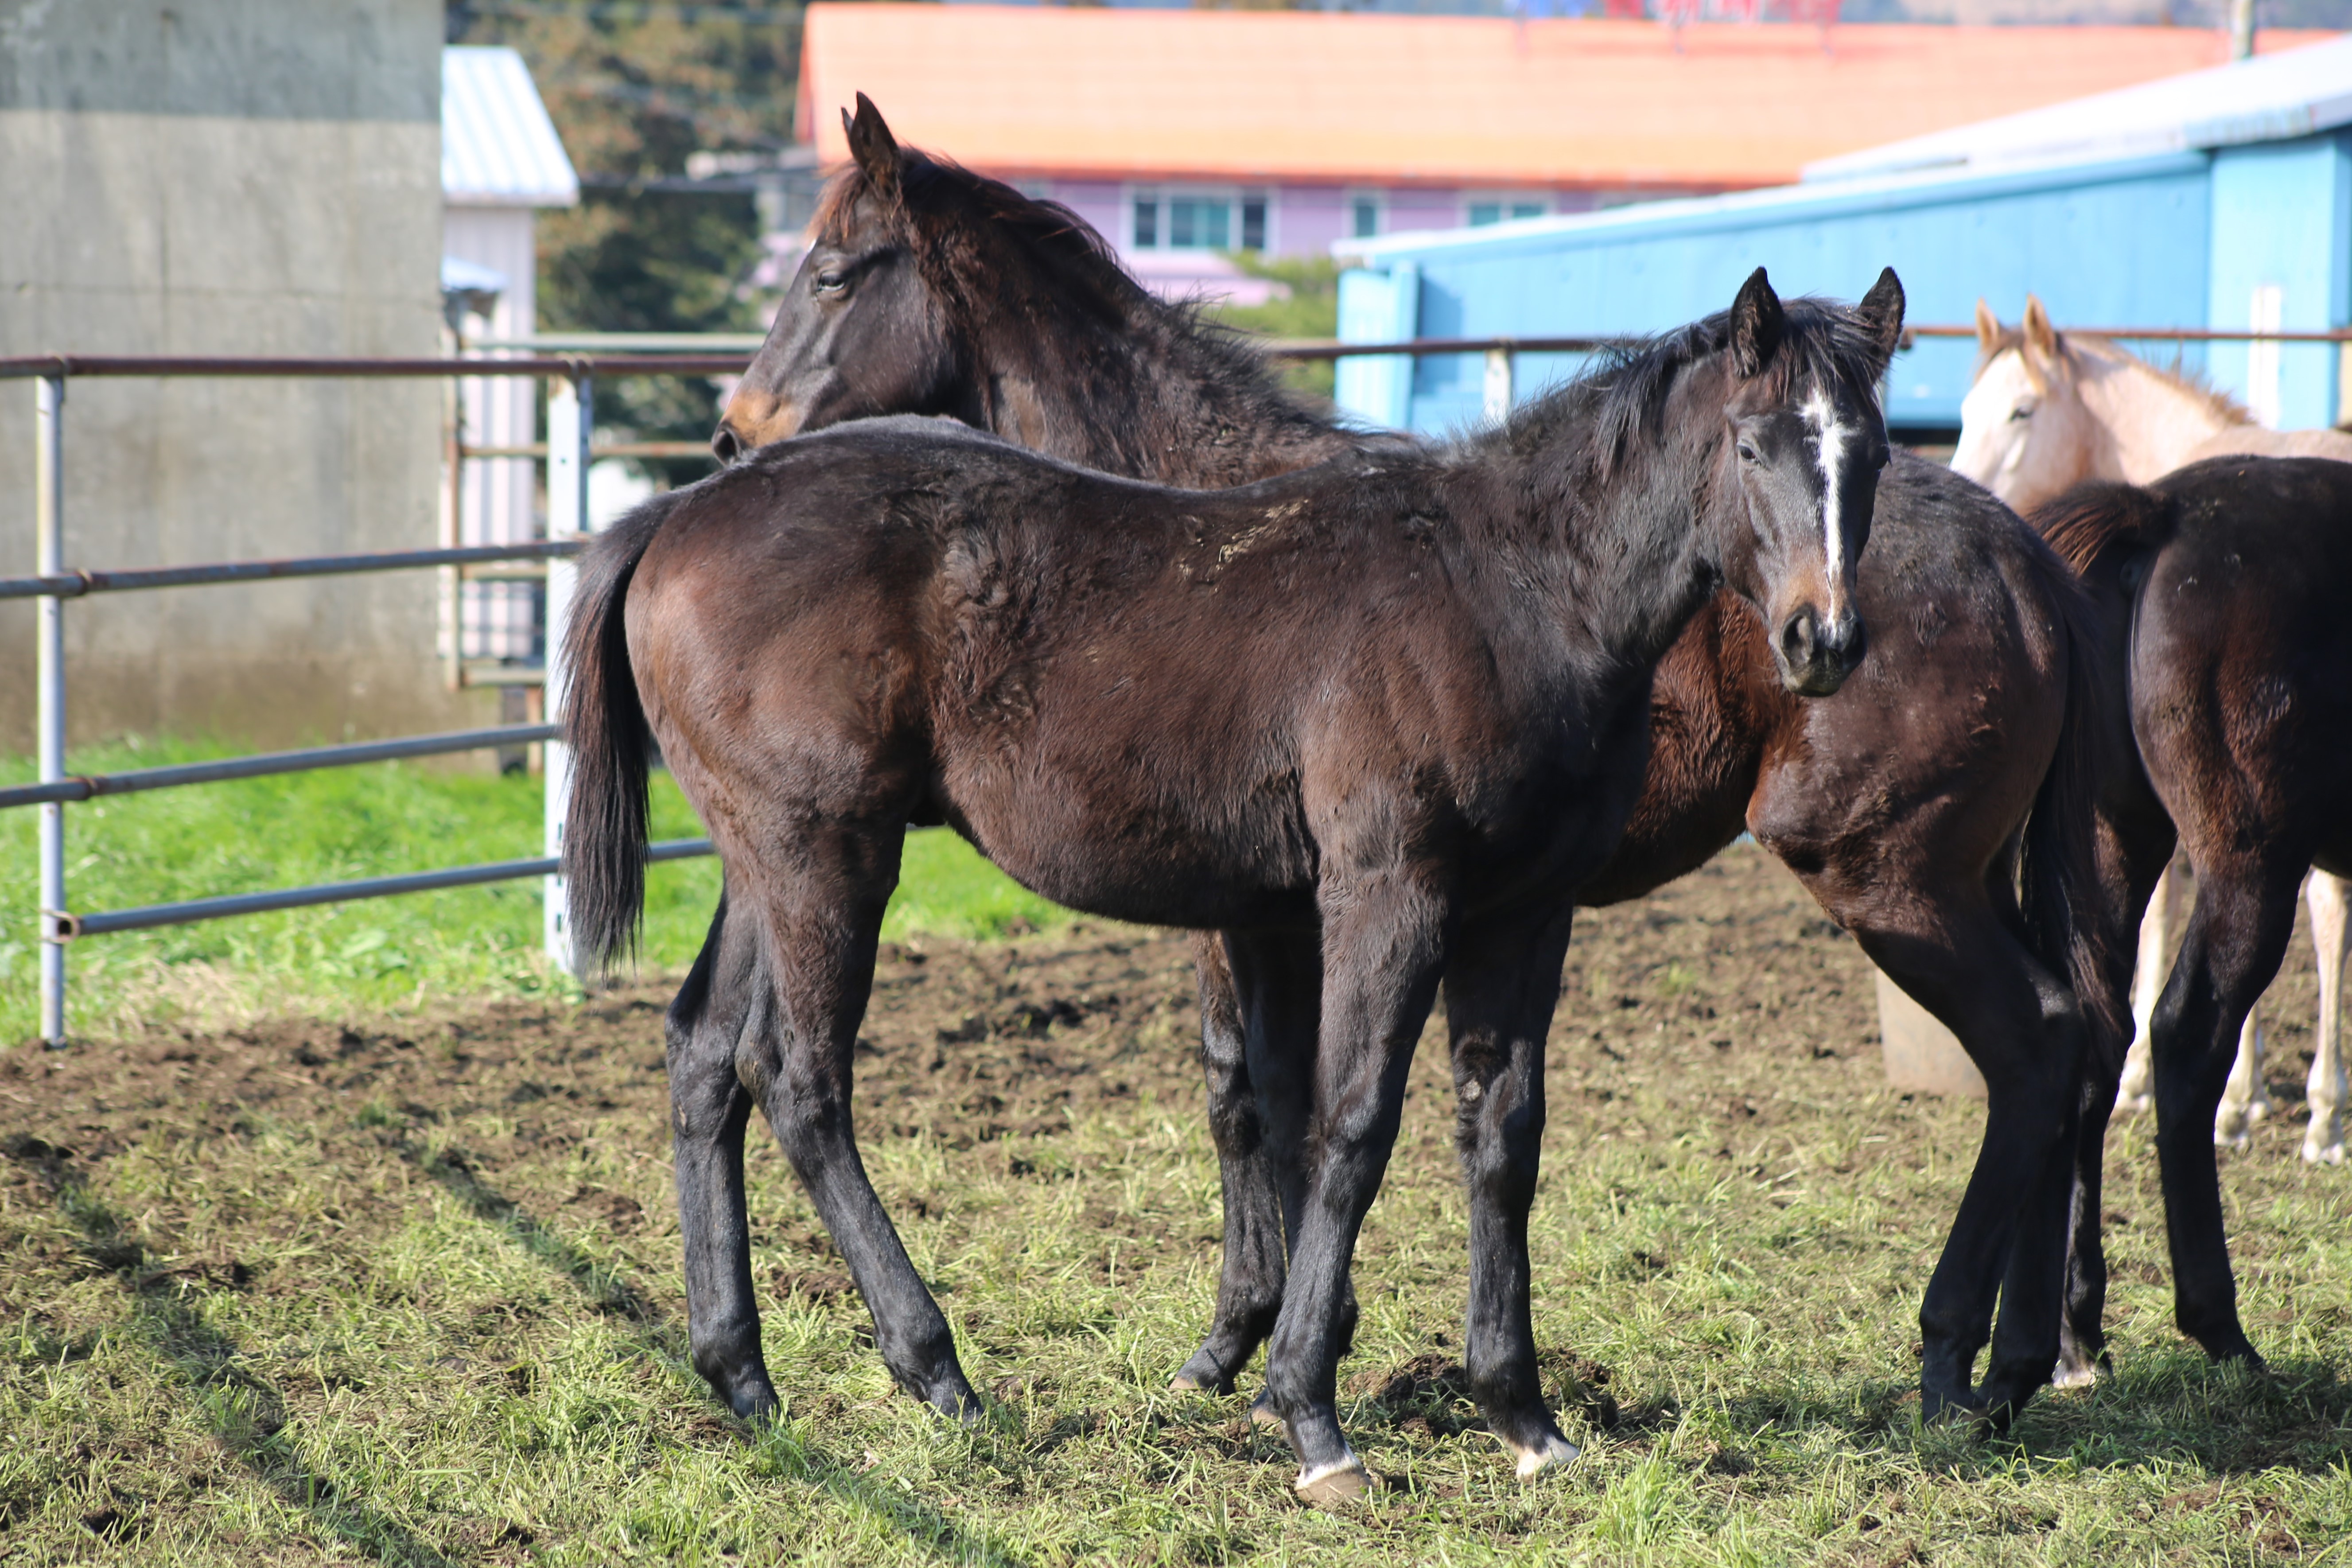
{"x": 498, "y": 497}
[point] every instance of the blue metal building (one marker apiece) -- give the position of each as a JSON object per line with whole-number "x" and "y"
{"x": 2221, "y": 199}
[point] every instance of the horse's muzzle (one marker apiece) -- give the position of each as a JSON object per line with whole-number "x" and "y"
{"x": 725, "y": 445}
{"x": 1816, "y": 655}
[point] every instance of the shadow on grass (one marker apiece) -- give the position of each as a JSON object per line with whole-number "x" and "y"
{"x": 2159, "y": 1406}
{"x": 246, "y": 1414}
{"x": 660, "y": 1339}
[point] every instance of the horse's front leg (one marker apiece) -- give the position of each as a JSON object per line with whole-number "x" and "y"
{"x": 2331, "y": 939}
{"x": 823, "y": 911}
{"x": 2245, "y": 1099}
{"x": 2023, "y": 1029}
{"x": 708, "y": 1111}
{"x": 1502, "y": 984}
{"x": 1383, "y": 943}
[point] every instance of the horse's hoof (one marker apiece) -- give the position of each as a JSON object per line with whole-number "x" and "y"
{"x": 1937, "y": 1409}
{"x": 1338, "y": 1485}
{"x": 2073, "y": 1374}
{"x": 1202, "y": 1375}
{"x": 2323, "y": 1153}
{"x": 1552, "y": 1453}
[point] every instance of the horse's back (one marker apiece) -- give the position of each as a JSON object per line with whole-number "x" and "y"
{"x": 2246, "y": 601}
{"x": 2259, "y": 441}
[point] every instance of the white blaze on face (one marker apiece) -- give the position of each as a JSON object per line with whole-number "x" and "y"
{"x": 1997, "y": 425}
{"x": 1829, "y": 438}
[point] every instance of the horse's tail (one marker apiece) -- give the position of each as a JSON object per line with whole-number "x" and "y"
{"x": 604, "y": 826}
{"x": 2098, "y": 516}
{"x": 2067, "y": 918}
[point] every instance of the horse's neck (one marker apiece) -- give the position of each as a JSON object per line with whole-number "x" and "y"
{"x": 1152, "y": 404}
{"x": 2151, "y": 423}
{"x": 1625, "y": 561}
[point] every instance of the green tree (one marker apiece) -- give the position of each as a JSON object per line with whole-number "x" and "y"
{"x": 634, "y": 88}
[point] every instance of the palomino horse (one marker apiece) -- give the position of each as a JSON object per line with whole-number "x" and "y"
{"x": 1165, "y": 706}
{"x": 2223, "y": 585}
{"x": 931, "y": 289}
{"x": 2047, "y": 411}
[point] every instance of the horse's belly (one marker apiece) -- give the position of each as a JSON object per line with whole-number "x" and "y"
{"x": 1155, "y": 848}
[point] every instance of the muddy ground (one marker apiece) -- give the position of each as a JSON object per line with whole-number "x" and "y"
{"x": 1726, "y": 1001}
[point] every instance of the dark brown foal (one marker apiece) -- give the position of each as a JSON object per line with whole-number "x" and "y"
{"x": 1165, "y": 706}
{"x": 2225, "y": 585}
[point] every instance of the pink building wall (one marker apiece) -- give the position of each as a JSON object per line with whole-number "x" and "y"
{"x": 1301, "y": 220}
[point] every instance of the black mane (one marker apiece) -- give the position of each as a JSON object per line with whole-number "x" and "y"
{"x": 1624, "y": 396}
{"x": 942, "y": 206}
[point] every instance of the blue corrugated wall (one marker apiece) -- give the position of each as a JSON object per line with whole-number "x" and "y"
{"x": 2181, "y": 239}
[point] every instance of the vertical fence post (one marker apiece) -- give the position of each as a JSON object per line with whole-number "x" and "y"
{"x": 49, "y": 673}
{"x": 1498, "y": 386}
{"x": 571, "y": 419}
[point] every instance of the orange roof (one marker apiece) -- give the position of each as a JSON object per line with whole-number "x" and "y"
{"x": 1121, "y": 94}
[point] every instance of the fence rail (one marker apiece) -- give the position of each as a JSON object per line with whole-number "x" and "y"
{"x": 90, "y": 786}
{"x": 77, "y": 584}
{"x": 567, "y": 452}
{"x": 195, "y": 909}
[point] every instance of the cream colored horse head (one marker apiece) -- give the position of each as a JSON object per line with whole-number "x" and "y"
{"x": 2025, "y": 433}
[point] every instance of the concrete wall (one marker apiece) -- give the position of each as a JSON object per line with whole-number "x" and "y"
{"x": 215, "y": 177}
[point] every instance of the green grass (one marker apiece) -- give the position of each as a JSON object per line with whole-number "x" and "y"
{"x": 342, "y": 823}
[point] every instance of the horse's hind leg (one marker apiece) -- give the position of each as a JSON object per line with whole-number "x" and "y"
{"x": 2158, "y": 930}
{"x": 1260, "y": 993}
{"x": 2331, "y": 937}
{"x": 821, "y": 900}
{"x": 2237, "y": 934}
{"x": 709, "y": 1110}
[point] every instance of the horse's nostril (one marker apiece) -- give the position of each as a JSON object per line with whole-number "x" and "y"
{"x": 724, "y": 445}
{"x": 1798, "y": 639}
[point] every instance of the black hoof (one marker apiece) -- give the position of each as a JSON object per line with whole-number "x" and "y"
{"x": 1952, "y": 1407}
{"x": 748, "y": 1394}
{"x": 1203, "y": 1374}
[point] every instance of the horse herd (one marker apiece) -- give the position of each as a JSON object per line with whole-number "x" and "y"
{"x": 1370, "y": 714}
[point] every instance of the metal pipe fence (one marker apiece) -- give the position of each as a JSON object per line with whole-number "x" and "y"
{"x": 567, "y": 453}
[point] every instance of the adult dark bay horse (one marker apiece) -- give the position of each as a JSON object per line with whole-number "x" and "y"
{"x": 1165, "y": 706}
{"x": 2224, "y": 584}
{"x": 1898, "y": 802}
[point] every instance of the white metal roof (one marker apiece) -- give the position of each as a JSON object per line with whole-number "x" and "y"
{"x": 498, "y": 149}
{"x": 2267, "y": 98}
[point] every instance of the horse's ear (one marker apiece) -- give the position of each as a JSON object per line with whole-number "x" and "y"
{"x": 1988, "y": 327}
{"x": 873, "y": 147}
{"x": 1881, "y": 314}
{"x": 1755, "y": 322}
{"x": 2041, "y": 337}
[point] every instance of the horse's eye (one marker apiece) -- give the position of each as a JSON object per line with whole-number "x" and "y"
{"x": 1747, "y": 453}
{"x": 833, "y": 280}
{"x": 2023, "y": 411}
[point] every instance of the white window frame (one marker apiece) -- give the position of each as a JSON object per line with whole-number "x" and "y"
{"x": 1350, "y": 198}
{"x": 1164, "y": 194}
{"x": 1505, "y": 200}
